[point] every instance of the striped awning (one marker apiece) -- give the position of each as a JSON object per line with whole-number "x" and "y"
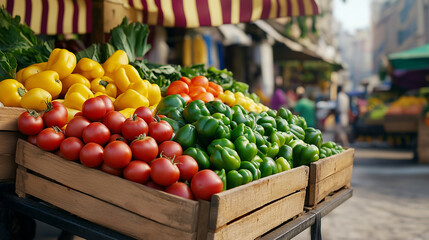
{"x": 53, "y": 16}
{"x": 196, "y": 13}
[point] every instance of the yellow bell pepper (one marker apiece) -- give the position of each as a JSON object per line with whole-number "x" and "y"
{"x": 154, "y": 94}
{"x": 77, "y": 94}
{"x": 23, "y": 74}
{"x": 96, "y": 94}
{"x": 104, "y": 85}
{"x": 11, "y": 92}
{"x": 62, "y": 61}
{"x": 124, "y": 76}
{"x": 36, "y": 99}
{"x": 128, "y": 112}
{"x": 130, "y": 99}
{"x": 72, "y": 79}
{"x": 141, "y": 87}
{"x": 114, "y": 62}
{"x": 89, "y": 69}
{"x": 47, "y": 80}
{"x": 71, "y": 112}
{"x": 153, "y": 108}
{"x": 227, "y": 97}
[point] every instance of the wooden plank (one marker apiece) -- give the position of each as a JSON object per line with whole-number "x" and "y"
{"x": 171, "y": 210}
{"x": 8, "y": 117}
{"x": 263, "y": 220}
{"x": 318, "y": 191}
{"x": 324, "y": 168}
{"x": 423, "y": 134}
{"x": 229, "y": 205}
{"x": 114, "y": 12}
{"x": 400, "y": 123}
{"x": 7, "y": 167}
{"x": 423, "y": 154}
{"x": 8, "y": 141}
{"x": 203, "y": 219}
{"x": 104, "y": 213}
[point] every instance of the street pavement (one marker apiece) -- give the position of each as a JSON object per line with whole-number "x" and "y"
{"x": 390, "y": 201}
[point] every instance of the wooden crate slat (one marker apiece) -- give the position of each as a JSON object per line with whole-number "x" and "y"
{"x": 227, "y": 206}
{"x": 171, "y": 210}
{"x": 8, "y": 141}
{"x": 102, "y": 213}
{"x": 8, "y": 117}
{"x": 263, "y": 220}
{"x": 7, "y": 167}
{"x": 323, "y": 168}
{"x": 318, "y": 191}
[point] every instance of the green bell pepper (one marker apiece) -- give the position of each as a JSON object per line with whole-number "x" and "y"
{"x": 245, "y": 149}
{"x": 194, "y": 110}
{"x": 174, "y": 100}
{"x": 253, "y": 168}
{"x": 257, "y": 160}
{"x": 200, "y": 156}
{"x": 258, "y": 128}
{"x": 259, "y": 139}
{"x": 297, "y": 131}
{"x": 268, "y": 167}
{"x": 222, "y": 141}
{"x": 277, "y": 137}
{"x": 273, "y": 149}
{"x": 304, "y": 154}
{"x": 329, "y": 144}
{"x": 221, "y": 117}
{"x": 243, "y": 130}
{"x": 313, "y": 136}
{"x": 268, "y": 123}
{"x": 282, "y": 164}
{"x": 299, "y": 120}
{"x": 218, "y": 107}
{"x": 241, "y": 117}
{"x": 222, "y": 176}
{"x": 173, "y": 123}
{"x": 282, "y": 125}
{"x": 284, "y": 113}
{"x": 272, "y": 113}
{"x": 224, "y": 157}
{"x": 240, "y": 86}
{"x": 186, "y": 136}
{"x": 223, "y": 131}
{"x": 285, "y": 152}
{"x": 207, "y": 126}
{"x": 236, "y": 178}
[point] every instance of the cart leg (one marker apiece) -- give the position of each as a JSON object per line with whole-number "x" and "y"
{"x": 316, "y": 233}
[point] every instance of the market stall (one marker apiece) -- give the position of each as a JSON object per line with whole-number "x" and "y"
{"x": 199, "y": 142}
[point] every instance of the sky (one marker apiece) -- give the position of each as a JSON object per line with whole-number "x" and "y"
{"x": 353, "y": 14}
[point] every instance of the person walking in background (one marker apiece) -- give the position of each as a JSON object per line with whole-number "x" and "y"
{"x": 342, "y": 118}
{"x": 305, "y": 107}
{"x": 278, "y": 100}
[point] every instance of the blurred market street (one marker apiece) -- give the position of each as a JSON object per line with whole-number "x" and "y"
{"x": 390, "y": 199}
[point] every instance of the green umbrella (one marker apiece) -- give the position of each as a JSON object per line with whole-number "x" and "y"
{"x": 411, "y": 59}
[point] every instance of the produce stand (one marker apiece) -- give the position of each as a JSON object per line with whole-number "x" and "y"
{"x": 400, "y": 123}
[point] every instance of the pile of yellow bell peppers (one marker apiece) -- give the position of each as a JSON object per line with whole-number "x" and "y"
{"x": 61, "y": 78}
{"x": 238, "y": 98}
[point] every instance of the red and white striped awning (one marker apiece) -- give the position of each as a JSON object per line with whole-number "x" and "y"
{"x": 196, "y": 13}
{"x": 53, "y": 16}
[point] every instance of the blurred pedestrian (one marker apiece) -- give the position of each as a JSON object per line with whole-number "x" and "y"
{"x": 342, "y": 118}
{"x": 305, "y": 107}
{"x": 278, "y": 100}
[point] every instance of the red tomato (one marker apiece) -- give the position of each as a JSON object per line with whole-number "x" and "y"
{"x": 186, "y": 97}
{"x": 30, "y": 122}
{"x": 75, "y": 127}
{"x": 114, "y": 121}
{"x": 153, "y": 185}
{"x": 144, "y": 148}
{"x": 78, "y": 114}
{"x": 32, "y": 139}
{"x": 205, "y": 183}
{"x": 180, "y": 189}
{"x": 161, "y": 131}
{"x": 114, "y": 171}
{"x": 117, "y": 154}
{"x": 94, "y": 109}
{"x": 49, "y": 139}
{"x": 96, "y": 132}
{"x": 91, "y": 155}
{"x": 145, "y": 113}
{"x": 70, "y": 148}
{"x": 205, "y": 97}
{"x": 200, "y": 81}
{"x": 133, "y": 127}
{"x": 185, "y": 80}
{"x": 107, "y": 102}
{"x": 117, "y": 137}
{"x": 177, "y": 87}
{"x": 164, "y": 172}
{"x": 55, "y": 115}
{"x": 196, "y": 90}
{"x": 187, "y": 165}
{"x": 170, "y": 149}
{"x": 137, "y": 171}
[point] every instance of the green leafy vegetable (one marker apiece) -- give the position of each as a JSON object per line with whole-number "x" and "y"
{"x": 7, "y": 66}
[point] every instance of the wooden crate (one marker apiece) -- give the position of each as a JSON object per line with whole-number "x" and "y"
{"x": 8, "y": 136}
{"x": 328, "y": 175}
{"x": 245, "y": 212}
{"x": 423, "y": 141}
{"x": 400, "y": 123}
